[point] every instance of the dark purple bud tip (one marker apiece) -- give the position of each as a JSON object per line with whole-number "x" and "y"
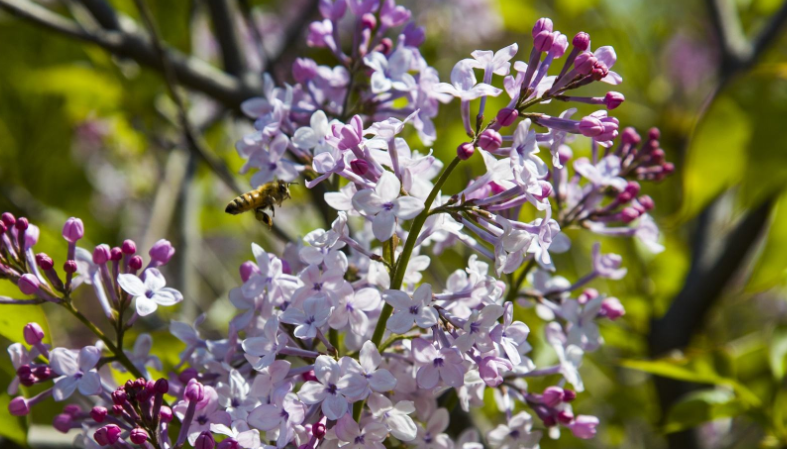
{"x": 18, "y": 406}
{"x": 162, "y": 386}
{"x": 657, "y": 156}
{"x": 360, "y": 167}
{"x": 187, "y": 374}
{"x": 22, "y": 224}
{"x": 581, "y": 41}
{"x": 129, "y": 247}
{"x": 43, "y": 372}
{"x": 135, "y": 263}
{"x": 44, "y": 261}
{"x": 62, "y": 422}
{"x": 368, "y": 21}
{"x": 318, "y": 430}
{"x": 309, "y": 375}
{"x": 549, "y": 421}
{"x": 569, "y": 395}
{"x": 8, "y": 219}
{"x": 33, "y": 333}
{"x": 465, "y": 151}
{"x": 98, "y": 414}
{"x": 138, "y": 436}
{"x": 632, "y": 187}
{"x": 507, "y": 116}
{"x": 654, "y": 134}
{"x": 115, "y": 254}
{"x": 72, "y": 409}
{"x": 386, "y": 45}
{"x": 613, "y": 99}
{"x": 70, "y": 266}
{"x": 119, "y": 396}
{"x": 205, "y": 441}
{"x": 565, "y": 417}
{"x": 228, "y": 443}
{"x": 490, "y": 140}
{"x": 600, "y": 70}
{"x": 624, "y": 197}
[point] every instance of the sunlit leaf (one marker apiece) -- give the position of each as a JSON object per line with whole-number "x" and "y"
{"x": 771, "y": 265}
{"x": 13, "y": 319}
{"x": 702, "y": 406}
{"x": 12, "y": 427}
{"x": 777, "y": 352}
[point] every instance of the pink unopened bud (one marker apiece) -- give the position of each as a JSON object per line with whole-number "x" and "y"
{"x": 581, "y": 41}
{"x": 98, "y": 414}
{"x": 584, "y": 426}
{"x": 560, "y": 45}
{"x": 632, "y": 187}
{"x": 630, "y": 136}
{"x": 587, "y": 295}
{"x": 668, "y": 168}
{"x": 247, "y": 270}
{"x": 309, "y": 375}
{"x": 591, "y": 126}
{"x": 565, "y": 417}
{"x": 22, "y": 224}
{"x": 129, "y": 247}
{"x": 107, "y": 435}
{"x": 629, "y": 214}
{"x": 654, "y": 134}
{"x": 359, "y": 166}
{"x": 600, "y": 70}
{"x": 162, "y": 251}
{"x": 72, "y": 409}
{"x": 543, "y": 41}
{"x": 564, "y": 153}
{"x": 490, "y": 140}
{"x": 33, "y": 333}
{"x": 28, "y": 284}
{"x": 138, "y": 436}
{"x": 613, "y": 99}
{"x": 165, "y": 414}
{"x": 73, "y": 230}
{"x": 546, "y": 190}
{"x": 584, "y": 63}
{"x": 552, "y": 396}
{"x": 44, "y": 261}
{"x": 115, "y": 254}
{"x": 119, "y": 396}
{"x": 101, "y": 254}
{"x": 612, "y": 308}
{"x": 42, "y": 372}
{"x": 70, "y": 266}
{"x": 228, "y": 443}
{"x": 542, "y": 24}
{"x": 549, "y": 421}
{"x": 569, "y": 395}
{"x": 18, "y": 406}
{"x": 657, "y": 156}
{"x": 135, "y": 263}
{"x": 303, "y": 70}
{"x": 318, "y": 430}
{"x": 507, "y": 116}
{"x": 465, "y": 151}
{"x": 205, "y": 441}
{"x": 194, "y": 391}
{"x": 62, "y": 422}
{"x": 386, "y": 45}
{"x": 646, "y": 202}
{"x": 8, "y": 219}
{"x": 368, "y": 21}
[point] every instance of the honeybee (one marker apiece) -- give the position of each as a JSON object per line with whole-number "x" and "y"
{"x": 261, "y": 198}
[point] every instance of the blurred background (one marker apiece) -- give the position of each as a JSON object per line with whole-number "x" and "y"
{"x": 697, "y": 362}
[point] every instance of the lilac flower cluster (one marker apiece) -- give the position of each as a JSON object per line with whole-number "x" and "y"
{"x": 341, "y": 342}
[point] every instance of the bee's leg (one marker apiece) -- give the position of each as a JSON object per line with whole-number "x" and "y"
{"x": 273, "y": 211}
{"x": 262, "y": 217}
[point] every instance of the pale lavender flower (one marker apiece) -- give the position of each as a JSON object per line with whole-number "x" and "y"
{"x": 384, "y": 204}
{"x": 76, "y": 370}
{"x": 150, "y": 293}
{"x": 360, "y": 379}
{"x": 408, "y": 310}
{"x": 445, "y": 364}
{"x": 370, "y": 437}
{"x": 326, "y": 390}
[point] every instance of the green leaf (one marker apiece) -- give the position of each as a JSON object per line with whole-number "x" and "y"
{"x": 694, "y": 371}
{"x": 702, "y": 406}
{"x": 12, "y": 427}
{"x": 771, "y": 266}
{"x": 777, "y": 351}
{"x": 13, "y": 319}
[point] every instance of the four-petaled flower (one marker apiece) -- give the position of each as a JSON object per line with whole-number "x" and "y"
{"x": 150, "y": 293}
{"x": 76, "y": 370}
{"x": 407, "y": 310}
{"x": 385, "y": 205}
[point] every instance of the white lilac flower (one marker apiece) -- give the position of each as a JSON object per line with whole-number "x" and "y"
{"x": 150, "y": 293}
{"x": 582, "y": 328}
{"x": 408, "y": 310}
{"x": 313, "y": 137}
{"x": 477, "y": 328}
{"x": 432, "y": 436}
{"x": 353, "y": 309}
{"x": 315, "y": 313}
{"x": 445, "y": 364}
{"x": 512, "y": 337}
{"x": 326, "y": 390}
{"x": 605, "y": 173}
{"x": 390, "y": 73}
{"x": 370, "y": 437}
{"x": 240, "y": 432}
{"x": 464, "y": 84}
{"x": 360, "y": 379}
{"x": 516, "y": 434}
{"x": 261, "y": 350}
{"x": 396, "y": 417}
{"x": 76, "y": 370}
{"x": 283, "y": 413}
{"x": 234, "y": 396}
{"x": 384, "y": 204}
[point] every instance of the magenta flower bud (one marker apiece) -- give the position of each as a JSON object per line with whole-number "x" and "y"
{"x": 165, "y": 414}
{"x": 612, "y": 308}
{"x": 115, "y": 254}
{"x": 549, "y": 421}
{"x": 194, "y": 391}
{"x": 73, "y": 230}
{"x": 668, "y": 168}
{"x": 162, "y": 251}
{"x": 70, "y": 266}
{"x": 309, "y": 375}
{"x": 22, "y": 224}
{"x": 359, "y": 166}
{"x": 368, "y": 21}
{"x": 18, "y": 406}
{"x": 587, "y": 295}
{"x": 28, "y": 284}
{"x": 546, "y": 190}
{"x": 44, "y": 261}
{"x": 581, "y": 41}
{"x": 465, "y": 151}
{"x": 138, "y": 436}
{"x": 613, "y": 99}
{"x": 129, "y": 247}
{"x": 33, "y": 333}
{"x": 584, "y": 63}
{"x": 569, "y": 395}
{"x": 386, "y": 45}
{"x": 590, "y": 126}
{"x": 72, "y": 409}
{"x": 117, "y": 410}
{"x": 565, "y": 417}
{"x": 285, "y": 267}
{"x": 584, "y": 426}
{"x": 542, "y": 24}
{"x": 161, "y": 386}
{"x": 654, "y": 134}
{"x": 318, "y": 430}
{"x": 599, "y": 71}
{"x": 507, "y": 116}
{"x": 560, "y": 45}
{"x": 100, "y": 436}
{"x": 490, "y": 140}
{"x": 3, "y": 228}
{"x": 646, "y": 202}
{"x": 135, "y": 263}
{"x": 8, "y": 219}
{"x": 205, "y": 441}
{"x": 657, "y": 156}
{"x": 101, "y": 254}
{"x": 247, "y": 270}
{"x": 632, "y": 187}
{"x": 228, "y": 443}
{"x": 564, "y": 153}
{"x": 303, "y": 70}
{"x": 552, "y": 396}
{"x": 107, "y": 435}
{"x": 98, "y": 414}
{"x": 119, "y": 396}
{"x": 43, "y": 372}
{"x": 62, "y": 422}
{"x": 629, "y": 214}
{"x": 543, "y": 41}
{"x": 630, "y": 136}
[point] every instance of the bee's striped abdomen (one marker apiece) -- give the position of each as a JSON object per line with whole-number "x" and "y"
{"x": 243, "y": 203}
